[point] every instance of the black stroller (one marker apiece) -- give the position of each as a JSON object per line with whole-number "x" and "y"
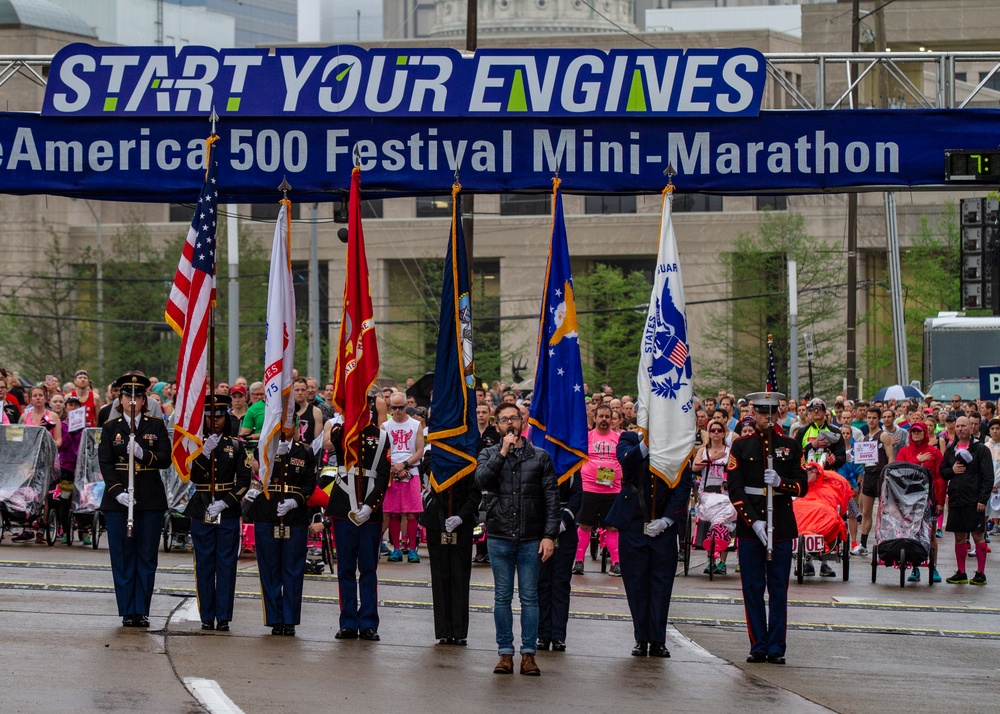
{"x": 905, "y": 520}
{"x": 176, "y": 526}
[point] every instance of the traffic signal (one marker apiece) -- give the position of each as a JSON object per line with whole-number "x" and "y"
{"x": 980, "y": 242}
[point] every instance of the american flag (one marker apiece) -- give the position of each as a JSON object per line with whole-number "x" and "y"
{"x": 679, "y": 354}
{"x": 191, "y": 299}
{"x": 772, "y": 374}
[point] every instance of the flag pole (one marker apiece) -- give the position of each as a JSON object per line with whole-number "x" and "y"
{"x": 214, "y": 118}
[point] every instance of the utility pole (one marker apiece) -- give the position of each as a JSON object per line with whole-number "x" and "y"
{"x": 469, "y": 202}
{"x": 852, "y": 236}
{"x": 793, "y": 329}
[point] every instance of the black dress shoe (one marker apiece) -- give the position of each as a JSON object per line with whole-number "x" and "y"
{"x": 346, "y": 633}
{"x": 140, "y": 621}
{"x": 222, "y": 626}
{"x": 543, "y": 643}
{"x": 756, "y": 658}
{"x": 641, "y": 649}
{"x": 128, "y": 621}
{"x": 775, "y": 659}
{"x": 658, "y": 649}
{"x": 446, "y": 641}
{"x": 370, "y": 634}
{"x": 289, "y": 631}
{"x": 558, "y": 645}
{"x": 278, "y": 630}
{"x": 208, "y": 625}
{"x": 460, "y": 641}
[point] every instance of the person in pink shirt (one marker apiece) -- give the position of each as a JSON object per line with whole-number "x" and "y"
{"x": 602, "y": 481}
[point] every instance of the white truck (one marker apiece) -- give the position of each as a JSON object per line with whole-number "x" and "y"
{"x": 955, "y": 347}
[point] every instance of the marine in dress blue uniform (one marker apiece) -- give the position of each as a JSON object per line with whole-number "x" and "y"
{"x": 555, "y": 574}
{"x": 749, "y": 478}
{"x": 133, "y": 559}
{"x": 281, "y": 562}
{"x": 355, "y": 508}
{"x": 217, "y": 543}
{"x": 647, "y": 513}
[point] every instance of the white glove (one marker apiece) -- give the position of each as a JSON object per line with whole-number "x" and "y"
{"x": 655, "y": 528}
{"x": 210, "y": 443}
{"x": 137, "y": 450}
{"x": 287, "y": 505}
{"x": 284, "y": 447}
{"x": 363, "y": 513}
{"x": 760, "y": 528}
{"x": 771, "y": 478}
{"x": 964, "y": 455}
{"x": 643, "y": 449}
{"x": 216, "y": 507}
{"x": 451, "y": 523}
{"x": 125, "y": 499}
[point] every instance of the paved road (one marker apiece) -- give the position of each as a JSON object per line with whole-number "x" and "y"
{"x": 853, "y": 647}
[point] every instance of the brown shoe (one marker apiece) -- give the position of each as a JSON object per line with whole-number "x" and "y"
{"x": 528, "y": 665}
{"x": 505, "y": 665}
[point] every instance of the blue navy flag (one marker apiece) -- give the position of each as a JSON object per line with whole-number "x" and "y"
{"x": 452, "y": 430}
{"x": 558, "y": 414}
{"x": 772, "y": 373}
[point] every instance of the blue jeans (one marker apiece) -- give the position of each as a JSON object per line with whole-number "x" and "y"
{"x": 505, "y": 556}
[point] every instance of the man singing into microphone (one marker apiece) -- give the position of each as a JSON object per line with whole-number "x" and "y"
{"x": 521, "y": 495}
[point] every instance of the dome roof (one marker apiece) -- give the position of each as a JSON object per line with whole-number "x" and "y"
{"x": 43, "y": 14}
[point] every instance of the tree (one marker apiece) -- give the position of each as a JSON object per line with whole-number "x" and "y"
{"x": 38, "y": 317}
{"x": 611, "y": 311}
{"x": 758, "y": 306}
{"x": 931, "y": 282}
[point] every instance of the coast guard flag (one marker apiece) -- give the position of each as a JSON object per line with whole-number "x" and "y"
{"x": 279, "y": 346}
{"x": 357, "y": 358}
{"x": 558, "y": 414}
{"x": 192, "y": 297}
{"x": 665, "y": 411}
{"x": 452, "y": 430}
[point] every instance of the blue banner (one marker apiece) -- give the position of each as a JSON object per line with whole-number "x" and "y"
{"x": 558, "y": 414}
{"x": 452, "y": 430}
{"x": 162, "y": 160}
{"x": 346, "y": 81}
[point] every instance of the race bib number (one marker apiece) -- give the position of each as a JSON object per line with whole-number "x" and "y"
{"x": 605, "y": 476}
{"x": 78, "y": 419}
{"x": 866, "y": 453}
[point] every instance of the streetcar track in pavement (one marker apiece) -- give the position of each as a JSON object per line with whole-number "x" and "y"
{"x": 576, "y": 615}
{"x": 725, "y": 600}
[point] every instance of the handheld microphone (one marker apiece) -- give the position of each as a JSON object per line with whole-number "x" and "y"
{"x": 511, "y": 430}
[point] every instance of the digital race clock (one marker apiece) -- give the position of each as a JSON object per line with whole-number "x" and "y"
{"x": 972, "y": 165}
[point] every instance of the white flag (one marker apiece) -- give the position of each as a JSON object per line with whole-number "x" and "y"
{"x": 279, "y": 346}
{"x": 665, "y": 409}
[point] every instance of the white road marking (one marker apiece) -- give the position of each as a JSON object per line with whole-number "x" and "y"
{"x": 211, "y": 696}
{"x": 690, "y": 644}
{"x": 187, "y": 611}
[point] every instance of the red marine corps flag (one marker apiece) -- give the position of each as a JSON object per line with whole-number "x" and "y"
{"x": 192, "y": 298}
{"x": 357, "y": 357}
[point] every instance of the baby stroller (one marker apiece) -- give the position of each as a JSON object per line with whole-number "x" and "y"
{"x": 27, "y": 458}
{"x": 905, "y": 520}
{"x": 717, "y": 512}
{"x": 176, "y": 526}
{"x": 88, "y": 490}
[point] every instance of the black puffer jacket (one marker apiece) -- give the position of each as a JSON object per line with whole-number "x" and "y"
{"x": 520, "y": 494}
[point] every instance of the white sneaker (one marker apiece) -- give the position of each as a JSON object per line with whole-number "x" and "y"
{"x": 859, "y": 550}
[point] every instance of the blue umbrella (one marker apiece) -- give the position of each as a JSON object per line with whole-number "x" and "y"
{"x": 897, "y": 392}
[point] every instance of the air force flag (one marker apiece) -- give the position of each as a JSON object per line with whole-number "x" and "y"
{"x": 665, "y": 410}
{"x": 558, "y": 414}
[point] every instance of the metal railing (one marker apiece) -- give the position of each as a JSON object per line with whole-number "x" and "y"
{"x": 832, "y": 75}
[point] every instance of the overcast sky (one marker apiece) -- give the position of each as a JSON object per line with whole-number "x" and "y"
{"x": 344, "y": 16}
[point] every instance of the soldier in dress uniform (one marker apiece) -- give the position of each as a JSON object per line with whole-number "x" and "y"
{"x": 555, "y": 574}
{"x": 224, "y": 463}
{"x": 133, "y": 557}
{"x": 355, "y": 508}
{"x": 647, "y": 513}
{"x": 281, "y": 552}
{"x": 749, "y": 479}
{"x": 450, "y": 515}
